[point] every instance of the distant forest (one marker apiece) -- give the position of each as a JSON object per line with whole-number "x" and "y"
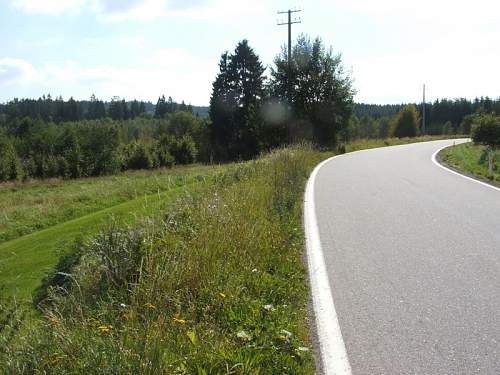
{"x": 58, "y": 110}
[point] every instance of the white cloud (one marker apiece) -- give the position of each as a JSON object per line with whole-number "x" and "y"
{"x": 48, "y": 6}
{"x": 142, "y": 10}
{"x": 112, "y": 10}
{"x": 15, "y": 71}
{"x": 156, "y": 74}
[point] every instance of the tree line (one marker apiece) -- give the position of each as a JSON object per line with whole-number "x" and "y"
{"x": 37, "y": 149}
{"x": 443, "y": 117}
{"x": 58, "y": 110}
{"x": 309, "y": 98}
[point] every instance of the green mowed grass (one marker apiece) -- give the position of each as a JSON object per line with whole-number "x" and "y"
{"x": 35, "y": 205}
{"x": 25, "y": 260}
{"x": 472, "y": 159}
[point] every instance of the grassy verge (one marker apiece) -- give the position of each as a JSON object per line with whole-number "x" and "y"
{"x": 472, "y": 159}
{"x": 215, "y": 284}
{"x": 25, "y": 260}
{"x": 28, "y": 207}
{"x": 211, "y": 284}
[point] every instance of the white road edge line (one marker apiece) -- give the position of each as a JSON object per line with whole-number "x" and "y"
{"x": 434, "y": 160}
{"x": 331, "y": 344}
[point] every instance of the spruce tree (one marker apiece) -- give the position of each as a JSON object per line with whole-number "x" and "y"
{"x": 237, "y": 92}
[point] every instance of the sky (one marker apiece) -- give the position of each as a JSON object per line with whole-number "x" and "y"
{"x": 145, "y": 48}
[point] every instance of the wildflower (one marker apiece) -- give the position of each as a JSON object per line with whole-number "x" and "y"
{"x": 286, "y": 333}
{"x": 254, "y": 270}
{"x": 222, "y": 295}
{"x": 104, "y": 329}
{"x": 149, "y": 306}
{"x": 243, "y": 335}
{"x": 53, "y": 321}
{"x": 269, "y": 308}
{"x": 123, "y": 305}
{"x": 55, "y": 357}
{"x": 180, "y": 321}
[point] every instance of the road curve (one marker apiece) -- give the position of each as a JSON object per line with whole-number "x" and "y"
{"x": 412, "y": 254}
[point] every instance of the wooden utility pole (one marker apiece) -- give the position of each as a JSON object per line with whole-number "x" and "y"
{"x": 423, "y": 113}
{"x": 290, "y": 22}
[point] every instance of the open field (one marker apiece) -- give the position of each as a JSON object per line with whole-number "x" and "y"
{"x": 472, "y": 159}
{"x": 38, "y": 204}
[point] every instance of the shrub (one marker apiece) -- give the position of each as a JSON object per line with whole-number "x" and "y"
{"x": 486, "y": 131}
{"x": 406, "y": 123}
{"x": 10, "y": 164}
{"x": 183, "y": 150}
{"x": 137, "y": 156}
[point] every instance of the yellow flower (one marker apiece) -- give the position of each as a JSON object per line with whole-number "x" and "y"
{"x": 104, "y": 329}
{"x": 55, "y": 357}
{"x": 53, "y": 321}
{"x": 180, "y": 321}
{"x": 149, "y": 306}
{"x": 222, "y": 295}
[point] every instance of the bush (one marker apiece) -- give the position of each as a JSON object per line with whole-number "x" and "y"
{"x": 183, "y": 150}
{"x": 137, "y": 156}
{"x": 486, "y": 131}
{"x": 10, "y": 164}
{"x": 406, "y": 123}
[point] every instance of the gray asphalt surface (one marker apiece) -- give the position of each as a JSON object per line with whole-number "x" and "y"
{"x": 413, "y": 259}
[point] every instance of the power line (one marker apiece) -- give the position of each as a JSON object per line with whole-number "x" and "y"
{"x": 290, "y": 23}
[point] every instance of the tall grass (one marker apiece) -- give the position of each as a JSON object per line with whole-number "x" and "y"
{"x": 213, "y": 285}
{"x": 37, "y": 204}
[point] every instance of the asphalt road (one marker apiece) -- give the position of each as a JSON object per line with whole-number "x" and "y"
{"x": 413, "y": 260}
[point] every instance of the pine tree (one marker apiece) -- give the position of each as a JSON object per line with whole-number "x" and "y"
{"x": 237, "y": 92}
{"x": 161, "y": 108}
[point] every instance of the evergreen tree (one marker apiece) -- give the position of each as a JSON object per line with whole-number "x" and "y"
{"x": 237, "y": 92}
{"x": 161, "y": 107}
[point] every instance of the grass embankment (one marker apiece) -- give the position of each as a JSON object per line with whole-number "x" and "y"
{"x": 35, "y": 205}
{"x": 25, "y": 260}
{"x": 472, "y": 159}
{"x": 215, "y": 284}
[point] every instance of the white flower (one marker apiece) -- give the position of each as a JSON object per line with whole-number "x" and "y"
{"x": 123, "y": 305}
{"x": 287, "y": 334}
{"x": 254, "y": 270}
{"x": 243, "y": 335}
{"x": 268, "y": 307}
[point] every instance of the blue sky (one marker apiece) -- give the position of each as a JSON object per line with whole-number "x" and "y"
{"x": 144, "y": 48}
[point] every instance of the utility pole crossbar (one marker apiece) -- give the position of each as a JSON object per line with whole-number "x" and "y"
{"x": 290, "y": 23}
